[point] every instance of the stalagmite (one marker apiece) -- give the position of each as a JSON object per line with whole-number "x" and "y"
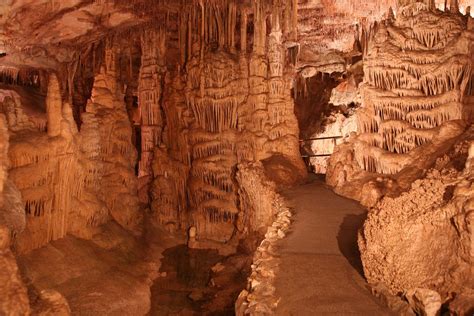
{"x": 68, "y": 117}
{"x": 54, "y": 106}
{"x": 108, "y": 121}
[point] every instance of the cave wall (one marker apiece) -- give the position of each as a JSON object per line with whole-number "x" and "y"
{"x": 14, "y": 298}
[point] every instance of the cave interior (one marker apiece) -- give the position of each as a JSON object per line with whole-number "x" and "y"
{"x": 233, "y": 157}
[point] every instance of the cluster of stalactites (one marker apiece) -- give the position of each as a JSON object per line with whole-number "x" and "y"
{"x": 431, "y": 4}
{"x": 407, "y": 9}
{"x": 224, "y": 25}
{"x": 48, "y": 196}
{"x": 20, "y": 76}
{"x": 68, "y": 171}
{"x": 171, "y": 161}
{"x": 214, "y": 103}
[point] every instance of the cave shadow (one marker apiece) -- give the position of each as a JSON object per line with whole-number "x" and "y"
{"x": 190, "y": 267}
{"x": 347, "y": 240}
{"x": 187, "y": 270}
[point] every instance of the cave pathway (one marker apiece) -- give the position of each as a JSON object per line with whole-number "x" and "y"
{"x": 320, "y": 270}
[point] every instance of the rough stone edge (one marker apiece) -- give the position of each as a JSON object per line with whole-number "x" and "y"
{"x": 259, "y": 296}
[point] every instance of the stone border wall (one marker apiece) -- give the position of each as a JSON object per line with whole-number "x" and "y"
{"x": 259, "y": 297}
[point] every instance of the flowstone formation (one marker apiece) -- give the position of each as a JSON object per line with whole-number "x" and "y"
{"x": 111, "y": 148}
{"x": 44, "y": 169}
{"x": 172, "y": 160}
{"x": 234, "y": 105}
{"x": 415, "y": 96}
{"x": 16, "y": 298}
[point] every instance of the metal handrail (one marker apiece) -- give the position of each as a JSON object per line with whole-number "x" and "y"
{"x": 321, "y": 138}
{"x": 319, "y": 155}
{"x": 334, "y": 138}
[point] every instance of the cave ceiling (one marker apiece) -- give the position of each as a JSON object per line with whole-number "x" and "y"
{"x": 46, "y": 33}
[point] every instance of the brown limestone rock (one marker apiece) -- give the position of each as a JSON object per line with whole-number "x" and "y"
{"x": 422, "y": 238}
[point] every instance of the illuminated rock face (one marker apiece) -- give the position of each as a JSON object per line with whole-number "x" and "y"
{"x": 416, "y": 73}
{"x": 43, "y": 168}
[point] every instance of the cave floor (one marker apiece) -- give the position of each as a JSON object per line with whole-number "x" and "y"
{"x": 320, "y": 269}
{"x": 107, "y": 275}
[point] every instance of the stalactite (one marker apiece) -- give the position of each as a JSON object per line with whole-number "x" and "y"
{"x": 260, "y": 28}
{"x": 294, "y": 20}
{"x": 454, "y": 6}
